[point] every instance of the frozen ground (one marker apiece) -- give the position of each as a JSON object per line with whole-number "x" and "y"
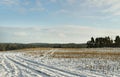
{"x": 13, "y": 64}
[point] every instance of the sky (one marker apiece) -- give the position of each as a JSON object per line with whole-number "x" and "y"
{"x": 58, "y": 21}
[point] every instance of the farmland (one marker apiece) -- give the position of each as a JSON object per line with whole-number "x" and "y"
{"x": 61, "y": 62}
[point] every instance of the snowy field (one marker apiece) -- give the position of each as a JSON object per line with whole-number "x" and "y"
{"x": 50, "y": 63}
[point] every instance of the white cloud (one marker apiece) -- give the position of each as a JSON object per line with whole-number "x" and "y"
{"x": 20, "y": 34}
{"x": 9, "y": 2}
{"x": 23, "y": 5}
{"x": 63, "y": 34}
{"x": 111, "y": 7}
{"x": 101, "y": 3}
{"x": 89, "y": 8}
{"x": 74, "y": 7}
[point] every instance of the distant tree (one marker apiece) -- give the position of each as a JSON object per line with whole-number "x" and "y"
{"x": 117, "y": 41}
{"x": 100, "y": 42}
{"x": 91, "y": 43}
{"x": 92, "y": 40}
{"x": 108, "y": 41}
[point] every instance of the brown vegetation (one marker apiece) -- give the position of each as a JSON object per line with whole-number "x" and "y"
{"x": 77, "y": 53}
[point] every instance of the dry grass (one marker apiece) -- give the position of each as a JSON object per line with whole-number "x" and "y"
{"x": 97, "y": 59}
{"x": 76, "y": 53}
{"x": 32, "y": 49}
{"x": 89, "y": 54}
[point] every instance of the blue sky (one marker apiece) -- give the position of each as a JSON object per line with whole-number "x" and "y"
{"x": 58, "y": 21}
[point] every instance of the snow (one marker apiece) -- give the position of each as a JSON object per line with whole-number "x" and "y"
{"x": 18, "y": 64}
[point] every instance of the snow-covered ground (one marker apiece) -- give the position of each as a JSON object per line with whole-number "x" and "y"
{"x": 19, "y": 64}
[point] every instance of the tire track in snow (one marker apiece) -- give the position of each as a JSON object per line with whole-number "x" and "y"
{"x": 74, "y": 74}
{"x": 10, "y": 68}
{"x": 5, "y": 68}
{"x": 57, "y": 70}
{"x": 48, "y": 70}
{"x": 38, "y": 72}
{"x": 17, "y": 70}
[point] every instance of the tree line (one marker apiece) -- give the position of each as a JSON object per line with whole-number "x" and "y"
{"x": 103, "y": 42}
{"x": 93, "y": 43}
{"x": 14, "y": 46}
